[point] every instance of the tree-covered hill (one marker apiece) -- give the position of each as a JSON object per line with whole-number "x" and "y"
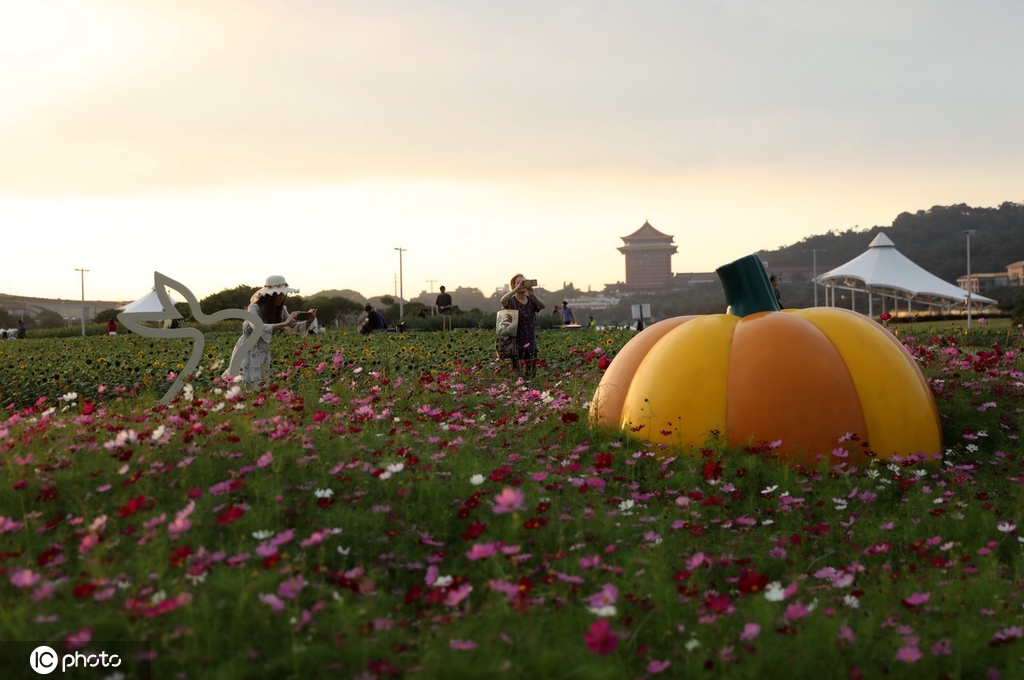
{"x": 932, "y": 238}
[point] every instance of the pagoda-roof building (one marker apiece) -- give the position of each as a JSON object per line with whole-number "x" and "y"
{"x": 648, "y": 258}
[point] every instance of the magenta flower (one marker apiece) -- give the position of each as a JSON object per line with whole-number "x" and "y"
{"x": 916, "y": 599}
{"x": 600, "y": 637}
{"x": 796, "y": 611}
{"x": 656, "y": 667}
{"x": 908, "y": 654}
{"x": 509, "y": 500}
{"x": 481, "y": 551}
{"x": 462, "y": 645}
{"x": 750, "y": 631}
{"x": 290, "y": 588}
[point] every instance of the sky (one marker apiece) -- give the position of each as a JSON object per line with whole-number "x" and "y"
{"x": 222, "y": 141}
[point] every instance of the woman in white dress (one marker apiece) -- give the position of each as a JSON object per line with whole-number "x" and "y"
{"x": 268, "y": 303}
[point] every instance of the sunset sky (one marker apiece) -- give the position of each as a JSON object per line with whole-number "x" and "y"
{"x": 220, "y": 141}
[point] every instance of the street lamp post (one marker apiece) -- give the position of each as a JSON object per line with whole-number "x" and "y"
{"x": 968, "y": 233}
{"x": 401, "y": 293}
{"x": 814, "y": 280}
{"x": 83, "y": 298}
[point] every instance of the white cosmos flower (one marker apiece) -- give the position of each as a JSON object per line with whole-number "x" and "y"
{"x": 476, "y": 480}
{"x": 775, "y": 592}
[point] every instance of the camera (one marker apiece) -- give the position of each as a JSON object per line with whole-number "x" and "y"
{"x": 530, "y": 283}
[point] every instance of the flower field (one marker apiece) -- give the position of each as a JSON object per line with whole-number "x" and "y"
{"x": 403, "y": 506}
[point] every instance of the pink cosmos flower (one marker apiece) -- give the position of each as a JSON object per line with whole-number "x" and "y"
{"x": 750, "y": 631}
{"x": 796, "y": 611}
{"x": 656, "y": 667}
{"x": 462, "y": 645}
{"x": 845, "y": 636}
{"x": 601, "y": 638}
{"x": 24, "y": 578}
{"x": 272, "y": 601}
{"x": 908, "y": 654}
{"x": 509, "y": 500}
{"x": 481, "y": 551}
{"x": 88, "y": 543}
{"x": 606, "y": 597}
{"x": 290, "y": 588}
{"x": 316, "y": 538}
{"x": 79, "y": 637}
{"x": 455, "y": 597}
{"x": 265, "y": 460}
{"x": 916, "y": 599}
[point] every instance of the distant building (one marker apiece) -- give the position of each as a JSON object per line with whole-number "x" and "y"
{"x": 593, "y": 301}
{"x": 1015, "y": 272}
{"x": 982, "y": 282}
{"x": 648, "y": 259}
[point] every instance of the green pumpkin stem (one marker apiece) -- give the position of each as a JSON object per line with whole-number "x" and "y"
{"x": 747, "y": 287}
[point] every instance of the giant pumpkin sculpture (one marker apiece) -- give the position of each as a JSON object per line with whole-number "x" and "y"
{"x": 807, "y": 378}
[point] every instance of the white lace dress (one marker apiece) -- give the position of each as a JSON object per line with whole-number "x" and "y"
{"x": 255, "y": 364}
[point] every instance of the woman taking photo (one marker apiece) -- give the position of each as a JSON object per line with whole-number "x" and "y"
{"x": 522, "y": 299}
{"x": 268, "y": 303}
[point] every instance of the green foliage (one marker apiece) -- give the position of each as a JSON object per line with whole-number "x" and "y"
{"x": 47, "y": 318}
{"x": 105, "y": 315}
{"x": 229, "y": 298}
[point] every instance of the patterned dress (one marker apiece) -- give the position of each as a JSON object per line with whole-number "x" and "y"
{"x": 256, "y": 362}
{"x": 526, "y": 335}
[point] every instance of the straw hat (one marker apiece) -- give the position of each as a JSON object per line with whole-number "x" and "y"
{"x": 275, "y": 285}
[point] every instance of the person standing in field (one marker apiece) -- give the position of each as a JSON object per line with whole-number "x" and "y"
{"x": 268, "y": 303}
{"x": 522, "y": 299}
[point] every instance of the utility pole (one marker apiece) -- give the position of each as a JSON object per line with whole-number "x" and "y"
{"x": 83, "y": 298}
{"x": 814, "y": 253}
{"x": 431, "y": 282}
{"x": 968, "y": 232}
{"x": 401, "y": 293}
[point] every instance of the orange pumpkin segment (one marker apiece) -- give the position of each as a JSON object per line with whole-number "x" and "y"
{"x": 786, "y": 377}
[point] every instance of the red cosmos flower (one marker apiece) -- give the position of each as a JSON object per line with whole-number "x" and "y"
{"x": 711, "y": 470}
{"x": 751, "y": 582}
{"x": 569, "y": 417}
{"x": 133, "y": 506}
{"x": 602, "y": 460}
{"x": 534, "y": 523}
{"x": 231, "y": 515}
{"x": 603, "y": 363}
{"x": 600, "y": 638}
{"x": 473, "y": 530}
{"x": 83, "y": 589}
{"x": 179, "y": 555}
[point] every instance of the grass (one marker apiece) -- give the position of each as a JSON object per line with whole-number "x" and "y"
{"x": 402, "y": 506}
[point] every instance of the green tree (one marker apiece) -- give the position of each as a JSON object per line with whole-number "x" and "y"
{"x": 105, "y": 315}
{"x": 332, "y": 310}
{"x": 6, "y": 319}
{"x": 229, "y": 298}
{"x": 47, "y": 318}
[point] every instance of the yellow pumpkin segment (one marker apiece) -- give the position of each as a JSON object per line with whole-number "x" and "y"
{"x": 606, "y": 406}
{"x": 678, "y": 393}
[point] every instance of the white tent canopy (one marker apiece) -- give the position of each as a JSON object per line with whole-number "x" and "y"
{"x": 883, "y": 270}
{"x": 150, "y": 302}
